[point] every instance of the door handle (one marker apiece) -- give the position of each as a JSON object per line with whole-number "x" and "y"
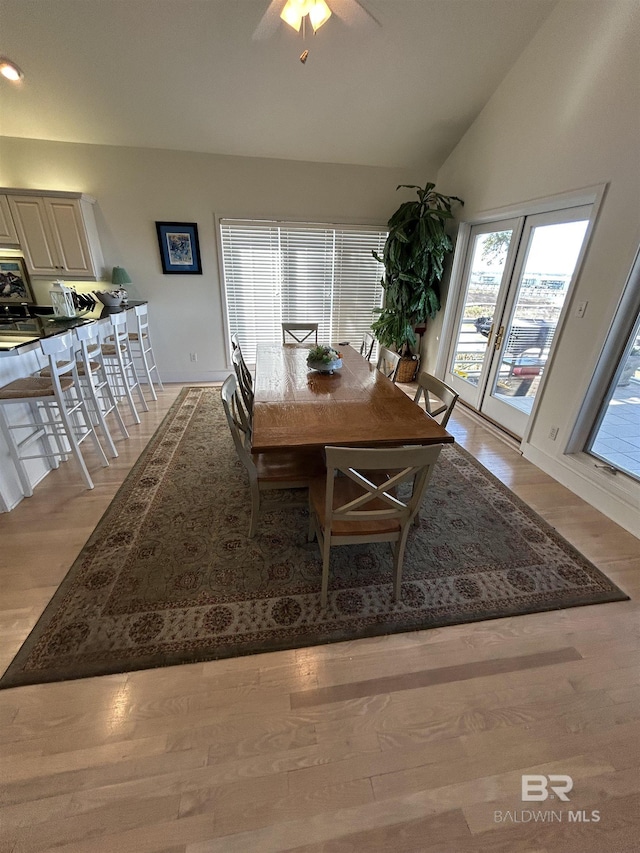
{"x": 498, "y": 341}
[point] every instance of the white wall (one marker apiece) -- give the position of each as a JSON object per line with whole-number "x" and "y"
{"x": 567, "y": 116}
{"x": 135, "y": 187}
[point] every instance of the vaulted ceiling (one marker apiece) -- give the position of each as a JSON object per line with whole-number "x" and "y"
{"x": 187, "y": 75}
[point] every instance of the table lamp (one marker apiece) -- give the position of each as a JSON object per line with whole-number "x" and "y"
{"x": 120, "y": 276}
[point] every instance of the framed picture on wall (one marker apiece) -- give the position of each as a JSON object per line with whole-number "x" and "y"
{"x": 179, "y": 248}
{"x": 14, "y": 281}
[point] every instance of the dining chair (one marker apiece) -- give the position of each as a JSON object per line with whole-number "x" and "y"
{"x": 446, "y": 397}
{"x": 55, "y": 417}
{"x": 285, "y": 469}
{"x": 348, "y": 507}
{"x": 245, "y": 381}
{"x": 367, "y": 345}
{"x": 388, "y": 363}
{"x": 299, "y": 333}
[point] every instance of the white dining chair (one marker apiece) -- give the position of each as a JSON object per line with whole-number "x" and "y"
{"x": 245, "y": 381}
{"x": 295, "y": 334}
{"x": 430, "y": 386}
{"x": 367, "y": 346}
{"x": 274, "y": 470}
{"x": 348, "y": 506}
{"x": 388, "y": 363}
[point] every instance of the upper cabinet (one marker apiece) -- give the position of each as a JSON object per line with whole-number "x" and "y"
{"x": 8, "y": 233}
{"x": 57, "y": 234}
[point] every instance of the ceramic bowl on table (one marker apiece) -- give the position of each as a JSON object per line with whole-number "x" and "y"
{"x": 111, "y": 298}
{"x": 325, "y": 366}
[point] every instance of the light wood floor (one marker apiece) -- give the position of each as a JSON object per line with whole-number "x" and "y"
{"x": 411, "y": 742}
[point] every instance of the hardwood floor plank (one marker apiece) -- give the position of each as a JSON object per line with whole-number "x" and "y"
{"x": 78, "y": 827}
{"x": 68, "y": 781}
{"x": 424, "y": 678}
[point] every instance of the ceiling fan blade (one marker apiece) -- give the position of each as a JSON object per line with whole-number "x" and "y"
{"x": 354, "y": 13}
{"x": 269, "y": 22}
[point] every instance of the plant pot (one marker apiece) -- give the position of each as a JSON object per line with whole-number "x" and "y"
{"x": 407, "y": 369}
{"x": 325, "y": 366}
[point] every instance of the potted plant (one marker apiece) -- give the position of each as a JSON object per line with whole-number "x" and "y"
{"x": 324, "y": 359}
{"x": 413, "y": 258}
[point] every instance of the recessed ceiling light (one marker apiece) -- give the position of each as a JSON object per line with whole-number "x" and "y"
{"x": 10, "y": 70}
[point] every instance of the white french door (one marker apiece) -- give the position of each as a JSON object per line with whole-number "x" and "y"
{"x": 516, "y": 277}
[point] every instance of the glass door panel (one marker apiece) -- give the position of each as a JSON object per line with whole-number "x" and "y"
{"x": 490, "y": 250}
{"x": 532, "y": 311}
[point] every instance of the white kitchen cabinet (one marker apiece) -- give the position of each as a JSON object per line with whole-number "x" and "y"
{"x": 57, "y": 234}
{"x": 8, "y": 233}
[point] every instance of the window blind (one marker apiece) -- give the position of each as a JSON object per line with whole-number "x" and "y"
{"x": 277, "y": 272}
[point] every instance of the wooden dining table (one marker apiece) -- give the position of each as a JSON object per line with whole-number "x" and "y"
{"x": 357, "y": 406}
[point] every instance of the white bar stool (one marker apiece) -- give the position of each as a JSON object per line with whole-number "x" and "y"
{"x": 142, "y": 350}
{"x": 119, "y": 364}
{"x": 58, "y": 413}
{"x": 94, "y": 383}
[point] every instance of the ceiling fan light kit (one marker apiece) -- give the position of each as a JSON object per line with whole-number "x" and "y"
{"x": 295, "y": 10}
{"x": 10, "y": 70}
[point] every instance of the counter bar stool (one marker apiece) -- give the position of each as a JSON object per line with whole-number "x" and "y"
{"x": 94, "y": 383}
{"x": 141, "y": 348}
{"x": 119, "y": 364}
{"x": 58, "y": 412}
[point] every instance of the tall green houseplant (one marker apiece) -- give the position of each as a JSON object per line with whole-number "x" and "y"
{"x": 413, "y": 258}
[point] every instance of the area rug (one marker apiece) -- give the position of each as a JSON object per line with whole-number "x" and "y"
{"x": 169, "y": 575}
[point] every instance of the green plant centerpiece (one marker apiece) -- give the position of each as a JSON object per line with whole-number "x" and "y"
{"x": 413, "y": 258}
{"x": 324, "y": 359}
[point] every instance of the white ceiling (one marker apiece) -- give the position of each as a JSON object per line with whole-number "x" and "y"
{"x": 186, "y": 75}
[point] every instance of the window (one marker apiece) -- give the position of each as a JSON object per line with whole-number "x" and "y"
{"x": 608, "y": 424}
{"x": 277, "y": 272}
{"x": 615, "y": 438}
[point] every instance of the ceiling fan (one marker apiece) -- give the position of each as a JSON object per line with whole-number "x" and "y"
{"x": 296, "y": 13}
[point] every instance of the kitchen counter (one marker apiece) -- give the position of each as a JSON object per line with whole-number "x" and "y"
{"x": 21, "y": 335}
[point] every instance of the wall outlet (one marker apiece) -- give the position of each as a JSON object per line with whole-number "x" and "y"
{"x": 193, "y": 356}
{"x": 553, "y": 432}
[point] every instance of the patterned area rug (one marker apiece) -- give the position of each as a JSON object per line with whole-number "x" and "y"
{"x": 169, "y": 575}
